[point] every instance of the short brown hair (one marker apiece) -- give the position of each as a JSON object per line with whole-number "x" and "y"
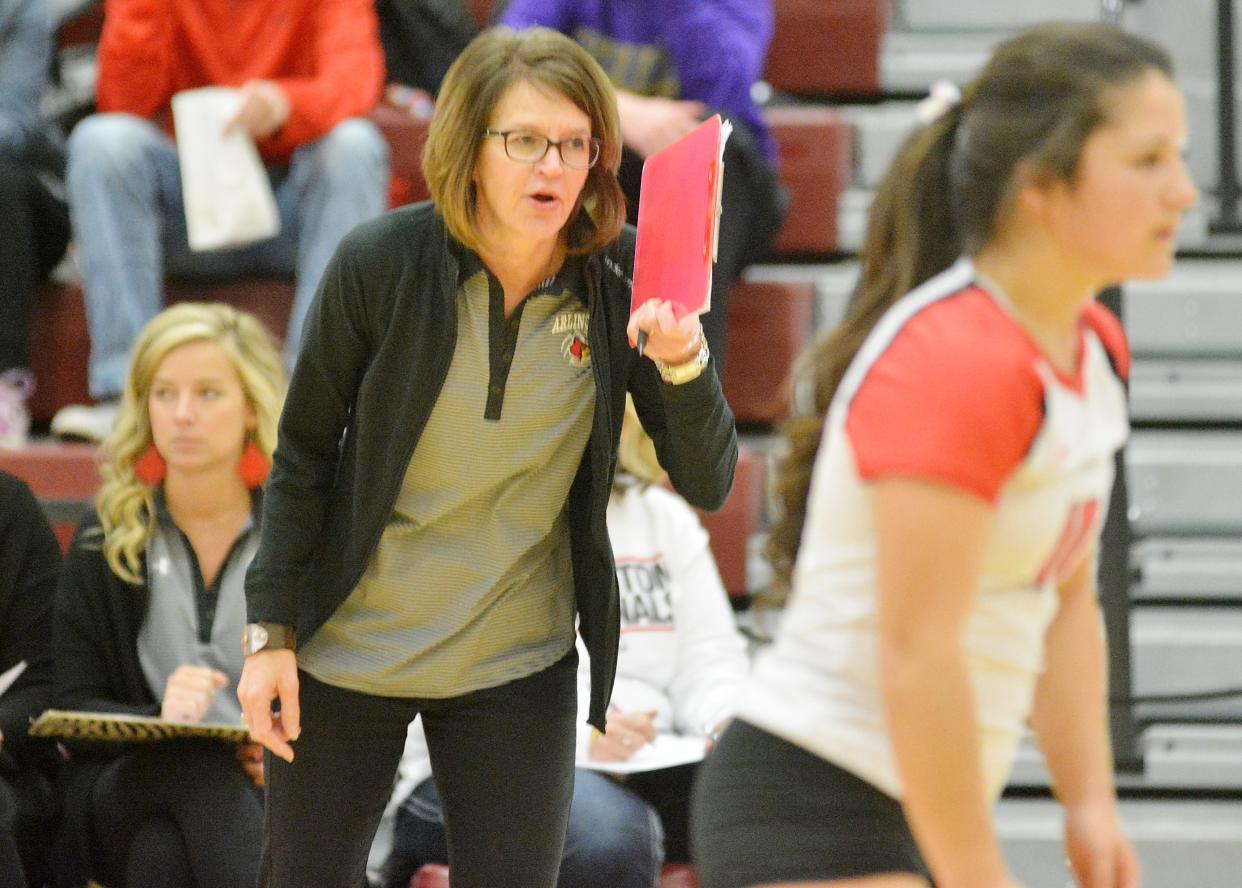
{"x": 492, "y": 62}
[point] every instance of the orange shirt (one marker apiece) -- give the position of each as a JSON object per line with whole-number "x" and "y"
{"x": 325, "y": 54}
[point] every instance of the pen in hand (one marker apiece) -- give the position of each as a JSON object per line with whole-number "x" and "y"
{"x": 642, "y": 342}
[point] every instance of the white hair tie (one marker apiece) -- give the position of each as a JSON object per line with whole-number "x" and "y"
{"x": 943, "y": 96}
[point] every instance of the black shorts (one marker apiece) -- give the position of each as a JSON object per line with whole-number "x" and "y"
{"x": 767, "y": 811}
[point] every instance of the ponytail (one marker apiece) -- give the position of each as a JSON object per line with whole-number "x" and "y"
{"x": 911, "y": 236}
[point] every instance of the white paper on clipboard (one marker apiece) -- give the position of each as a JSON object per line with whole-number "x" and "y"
{"x": 228, "y": 197}
{"x": 726, "y": 130}
{"x": 666, "y": 751}
{"x": 10, "y": 675}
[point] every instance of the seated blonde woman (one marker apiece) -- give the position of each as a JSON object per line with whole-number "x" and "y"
{"x": 150, "y": 608}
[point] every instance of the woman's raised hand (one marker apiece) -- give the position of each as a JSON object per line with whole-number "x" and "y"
{"x": 668, "y": 339}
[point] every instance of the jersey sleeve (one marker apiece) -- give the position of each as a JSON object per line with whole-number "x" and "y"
{"x": 953, "y": 398}
{"x": 1107, "y": 328}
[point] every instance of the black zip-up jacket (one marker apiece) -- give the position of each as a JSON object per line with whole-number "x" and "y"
{"x": 29, "y": 568}
{"x": 375, "y": 351}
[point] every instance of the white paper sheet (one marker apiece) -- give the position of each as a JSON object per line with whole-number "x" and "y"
{"x": 228, "y": 197}
{"x": 11, "y": 675}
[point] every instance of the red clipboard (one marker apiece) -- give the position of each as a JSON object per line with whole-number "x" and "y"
{"x": 679, "y": 220}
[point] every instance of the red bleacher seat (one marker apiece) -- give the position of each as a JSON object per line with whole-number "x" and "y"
{"x": 481, "y": 10}
{"x": 59, "y": 345}
{"x": 816, "y": 147}
{"x": 769, "y": 324}
{"x": 83, "y": 29}
{"x": 731, "y": 527}
{"x": 406, "y": 135}
{"x": 675, "y": 875}
{"x": 827, "y": 47}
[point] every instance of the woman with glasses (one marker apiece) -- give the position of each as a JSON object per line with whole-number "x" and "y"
{"x": 435, "y": 521}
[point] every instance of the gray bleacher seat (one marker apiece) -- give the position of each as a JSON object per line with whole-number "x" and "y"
{"x": 1186, "y": 649}
{"x": 1195, "y": 312}
{"x": 1186, "y": 391}
{"x": 1185, "y": 481}
{"x": 1203, "y": 569}
{"x": 1181, "y": 844}
{"x": 982, "y": 15}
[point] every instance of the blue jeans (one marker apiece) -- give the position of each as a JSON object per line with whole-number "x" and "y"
{"x": 615, "y": 838}
{"x": 124, "y": 186}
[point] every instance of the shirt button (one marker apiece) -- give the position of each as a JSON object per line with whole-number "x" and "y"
{"x": 496, "y": 389}
{"x": 507, "y": 357}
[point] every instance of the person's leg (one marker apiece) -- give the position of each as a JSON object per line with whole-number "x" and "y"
{"x": 37, "y": 808}
{"x": 36, "y": 234}
{"x": 201, "y": 788}
{"x": 333, "y": 184}
{"x": 418, "y": 836}
{"x": 614, "y": 838}
{"x": 52, "y": 230}
{"x": 122, "y": 178}
{"x": 503, "y": 760}
{"x": 12, "y": 874}
{"x": 17, "y": 263}
{"x": 158, "y": 857}
{"x": 324, "y": 807}
{"x": 667, "y": 791}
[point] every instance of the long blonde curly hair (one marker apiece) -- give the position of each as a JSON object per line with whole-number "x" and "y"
{"x": 125, "y": 505}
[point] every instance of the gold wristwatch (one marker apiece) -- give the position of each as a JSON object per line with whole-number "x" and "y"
{"x": 676, "y": 374}
{"x": 266, "y": 637}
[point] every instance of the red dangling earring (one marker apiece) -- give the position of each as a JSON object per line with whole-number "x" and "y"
{"x": 253, "y": 466}
{"x": 150, "y": 468}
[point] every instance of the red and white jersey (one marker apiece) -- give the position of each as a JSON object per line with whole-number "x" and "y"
{"x": 948, "y": 387}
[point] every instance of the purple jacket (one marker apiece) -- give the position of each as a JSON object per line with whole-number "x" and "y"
{"x": 708, "y": 50}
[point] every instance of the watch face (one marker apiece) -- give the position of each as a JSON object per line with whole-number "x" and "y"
{"x": 256, "y": 638}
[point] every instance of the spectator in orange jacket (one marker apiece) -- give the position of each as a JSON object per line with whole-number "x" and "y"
{"x": 307, "y": 72}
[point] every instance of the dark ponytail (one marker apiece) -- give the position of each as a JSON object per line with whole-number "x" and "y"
{"x": 1035, "y": 103}
{"x": 911, "y": 236}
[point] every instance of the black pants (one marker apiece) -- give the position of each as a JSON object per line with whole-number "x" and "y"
{"x": 27, "y": 811}
{"x": 176, "y": 814}
{"x": 36, "y": 231}
{"x": 754, "y": 208}
{"x": 503, "y": 759}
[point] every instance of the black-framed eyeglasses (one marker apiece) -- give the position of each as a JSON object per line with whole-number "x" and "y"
{"x": 577, "y": 152}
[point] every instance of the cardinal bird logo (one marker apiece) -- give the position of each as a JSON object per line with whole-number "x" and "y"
{"x": 576, "y": 351}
